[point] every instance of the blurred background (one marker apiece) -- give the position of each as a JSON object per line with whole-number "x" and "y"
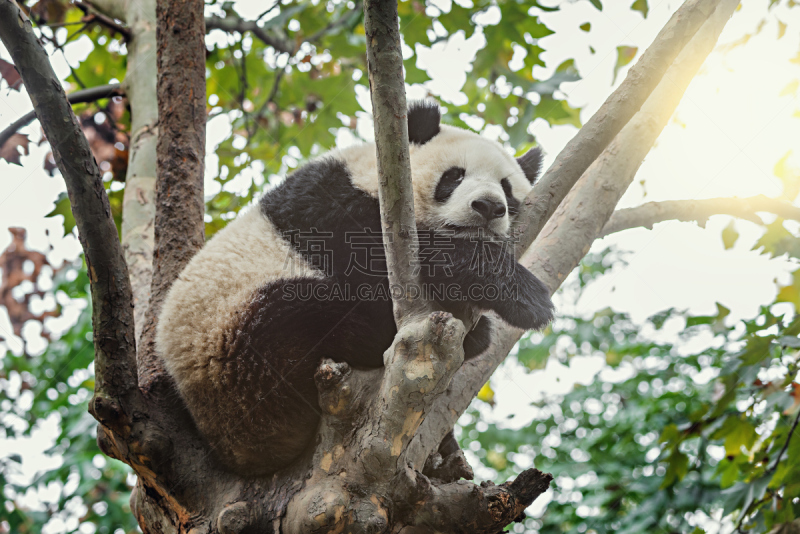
{"x": 663, "y": 398}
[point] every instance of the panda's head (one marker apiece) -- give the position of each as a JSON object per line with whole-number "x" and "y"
{"x": 463, "y": 181}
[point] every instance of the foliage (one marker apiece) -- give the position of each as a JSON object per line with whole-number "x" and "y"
{"x": 53, "y": 387}
{"x": 671, "y": 433}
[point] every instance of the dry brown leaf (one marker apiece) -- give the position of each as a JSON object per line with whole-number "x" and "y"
{"x": 9, "y": 73}
{"x": 13, "y": 265}
{"x": 10, "y": 151}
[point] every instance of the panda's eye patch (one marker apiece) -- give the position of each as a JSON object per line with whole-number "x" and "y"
{"x": 511, "y": 201}
{"x": 450, "y": 180}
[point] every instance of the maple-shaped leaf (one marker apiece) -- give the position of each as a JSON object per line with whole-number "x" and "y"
{"x": 9, "y": 73}
{"x": 10, "y": 151}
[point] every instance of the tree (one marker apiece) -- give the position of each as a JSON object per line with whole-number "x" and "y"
{"x": 178, "y": 488}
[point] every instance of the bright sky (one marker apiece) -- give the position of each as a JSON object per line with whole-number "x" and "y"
{"x": 738, "y": 118}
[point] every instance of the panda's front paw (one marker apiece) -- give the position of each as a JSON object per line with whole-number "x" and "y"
{"x": 530, "y": 307}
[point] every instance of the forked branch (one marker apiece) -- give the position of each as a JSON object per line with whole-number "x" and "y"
{"x": 605, "y": 124}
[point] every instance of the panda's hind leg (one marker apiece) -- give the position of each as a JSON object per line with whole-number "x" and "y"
{"x": 264, "y": 379}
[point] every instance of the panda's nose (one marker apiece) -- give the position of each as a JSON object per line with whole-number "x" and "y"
{"x": 489, "y": 209}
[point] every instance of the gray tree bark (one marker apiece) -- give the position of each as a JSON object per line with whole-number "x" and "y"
{"x": 138, "y": 203}
{"x": 698, "y": 211}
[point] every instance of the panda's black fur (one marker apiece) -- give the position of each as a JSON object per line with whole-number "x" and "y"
{"x": 243, "y": 343}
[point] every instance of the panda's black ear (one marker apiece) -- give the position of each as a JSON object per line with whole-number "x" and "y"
{"x": 531, "y": 163}
{"x": 423, "y": 121}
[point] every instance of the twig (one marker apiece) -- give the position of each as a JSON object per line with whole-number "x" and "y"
{"x": 756, "y": 504}
{"x": 73, "y": 72}
{"x": 606, "y": 123}
{"x": 341, "y": 21}
{"x": 242, "y": 86}
{"x": 115, "y": 352}
{"x": 268, "y": 10}
{"x": 651, "y": 213}
{"x": 235, "y": 24}
{"x": 92, "y": 15}
{"x": 788, "y": 439}
{"x": 72, "y": 36}
{"x": 78, "y": 97}
{"x": 270, "y": 99}
{"x": 59, "y": 24}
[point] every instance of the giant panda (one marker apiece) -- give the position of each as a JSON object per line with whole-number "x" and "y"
{"x": 301, "y": 276}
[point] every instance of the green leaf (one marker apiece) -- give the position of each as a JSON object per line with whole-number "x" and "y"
{"x": 641, "y": 7}
{"x": 756, "y": 350}
{"x": 789, "y": 176}
{"x": 534, "y": 357}
{"x": 587, "y": 26}
{"x": 729, "y": 473}
{"x": 729, "y": 236}
{"x": 557, "y": 112}
{"x": 670, "y": 435}
{"x": 677, "y": 467}
{"x": 597, "y": 4}
{"x": 738, "y": 433}
{"x": 64, "y": 208}
{"x": 625, "y": 55}
{"x": 777, "y": 240}
{"x": 413, "y": 73}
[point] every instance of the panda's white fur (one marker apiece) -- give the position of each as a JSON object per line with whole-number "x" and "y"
{"x": 243, "y": 359}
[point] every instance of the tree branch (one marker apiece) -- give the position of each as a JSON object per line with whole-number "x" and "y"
{"x": 112, "y": 315}
{"x": 486, "y": 510}
{"x": 235, "y": 24}
{"x": 180, "y": 152}
{"x": 395, "y": 194}
{"x": 651, "y": 213}
{"x": 615, "y": 112}
{"x": 138, "y": 203}
{"x": 576, "y": 224}
{"x": 78, "y": 97}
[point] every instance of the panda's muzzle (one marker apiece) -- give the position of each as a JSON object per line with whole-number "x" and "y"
{"x": 489, "y": 209}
